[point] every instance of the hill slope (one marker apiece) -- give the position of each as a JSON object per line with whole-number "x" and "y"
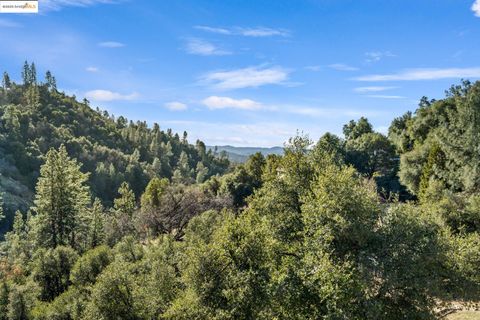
{"x": 35, "y": 117}
{"x": 241, "y": 154}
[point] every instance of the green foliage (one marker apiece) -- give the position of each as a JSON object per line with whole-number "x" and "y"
{"x": 406, "y": 264}
{"x": 61, "y": 199}
{"x": 6, "y": 82}
{"x": 4, "y": 290}
{"x": 154, "y": 191}
{"x": 372, "y": 154}
{"x": 440, "y": 141}
{"x": 18, "y": 244}
{"x": 95, "y": 221}
{"x": 20, "y": 303}
{"x": 355, "y": 129}
{"x": 51, "y": 270}
{"x": 464, "y": 261}
{"x": 126, "y": 202}
{"x": 134, "y": 288}
{"x": 346, "y": 206}
{"x": 69, "y": 305}
{"x": 120, "y": 221}
{"x": 435, "y": 162}
{"x": 316, "y": 233}
{"x": 90, "y": 265}
{"x": 35, "y": 117}
{"x": 225, "y": 278}
{"x": 112, "y": 296}
{"x": 329, "y": 148}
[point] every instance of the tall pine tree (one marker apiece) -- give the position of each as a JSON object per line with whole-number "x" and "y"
{"x": 60, "y": 201}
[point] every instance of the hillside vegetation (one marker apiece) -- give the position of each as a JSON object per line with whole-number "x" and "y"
{"x": 35, "y": 117}
{"x": 241, "y": 154}
{"x": 121, "y": 221}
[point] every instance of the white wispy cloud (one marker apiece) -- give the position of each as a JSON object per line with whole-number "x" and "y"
{"x": 375, "y": 56}
{"x": 246, "y": 77}
{"x": 204, "y": 48}
{"x": 214, "y": 30}
{"x": 111, "y": 44}
{"x": 47, "y": 5}
{"x": 6, "y": 23}
{"x": 176, "y": 106}
{"x": 380, "y": 96}
{"x": 247, "y": 32}
{"x": 314, "y": 68}
{"x": 263, "y": 32}
{"x": 320, "y": 112}
{"x": 424, "y": 74}
{"x": 372, "y": 89}
{"x": 215, "y": 102}
{"x": 342, "y": 67}
{"x": 106, "y": 95}
{"x": 91, "y": 69}
{"x": 476, "y": 8}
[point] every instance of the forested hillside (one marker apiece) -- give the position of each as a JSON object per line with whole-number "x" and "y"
{"x": 241, "y": 154}
{"x": 121, "y": 221}
{"x": 35, "y": 116}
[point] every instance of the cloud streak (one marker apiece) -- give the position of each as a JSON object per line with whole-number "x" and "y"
{"x": 91, "y": 69}
{"x": 342, "y": 67}
{"x": 251, "y": 77}
{"x": 247, "y": 32}
{"x": 380, "y": 96}
{"x": 424, "y": 74}
{"x": 204, "y": 48}
{"x": 372, "y": 89}
{"x": 5, "y": 23}
{"x": 375, "y": 56}
{"x": 215, "y": 102}
{"x": 176, "y": 106}
{"x": 106, "y": 95}
{"x": 111, "y": 44}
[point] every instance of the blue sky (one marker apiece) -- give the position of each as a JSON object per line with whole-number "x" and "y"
{"x": 249, "y": 72}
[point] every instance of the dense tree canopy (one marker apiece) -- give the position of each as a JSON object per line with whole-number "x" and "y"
{"x": 123, "y": 221}
{"x": 35, "y": 116}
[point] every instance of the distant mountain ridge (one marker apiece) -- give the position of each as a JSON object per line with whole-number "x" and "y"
{"x": 241, "y": 154}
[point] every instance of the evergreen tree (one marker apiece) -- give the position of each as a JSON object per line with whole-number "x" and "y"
{"x": 185, "y": 137}
{"x": 33, "y": 74}
{"x": 184, "y": 171}
{"x": 32, "y": 95}
{"x": 6, "y": 83}
{"x": 51, "y": 82}
{"x": 17, "y": 239}
{"x": 61, "y": 199}
{"x": 26, "y": 74}
{"x": 202, "y": 172}
{"x": 154, "y": 191}
{"x": 96, "y": 232}
{"x": 120, "y": 223}
{"x": 126, "y": 202}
